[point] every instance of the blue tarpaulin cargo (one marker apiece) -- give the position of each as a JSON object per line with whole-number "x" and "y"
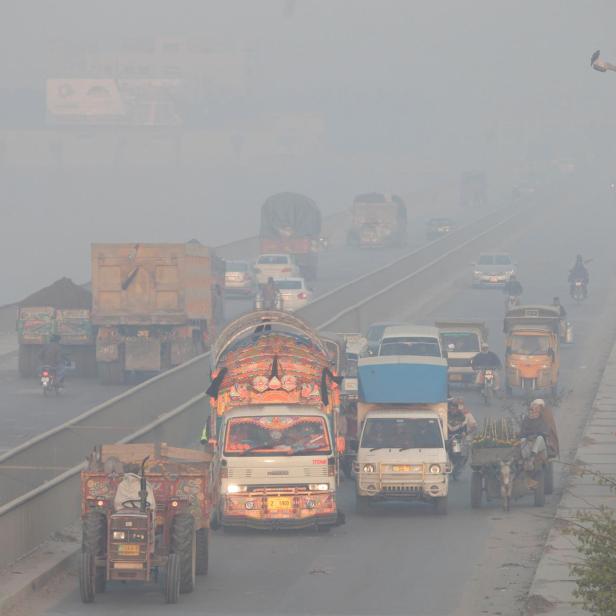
{"x": 402, "y": 380}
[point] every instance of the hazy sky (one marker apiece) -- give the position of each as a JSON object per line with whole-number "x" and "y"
{"x": 407, "y": 92}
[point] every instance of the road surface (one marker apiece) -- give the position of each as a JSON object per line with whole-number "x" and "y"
{"x": 402, "y": 559}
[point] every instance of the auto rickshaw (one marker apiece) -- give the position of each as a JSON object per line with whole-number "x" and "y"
{"x": 532, "y": 359}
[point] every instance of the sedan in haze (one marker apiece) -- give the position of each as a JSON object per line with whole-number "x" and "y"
{"x": 294, "y": 294}
{"x": 275, "y": 266}
{"x": 493, "y": 270}
{"x": 239, "y": 279}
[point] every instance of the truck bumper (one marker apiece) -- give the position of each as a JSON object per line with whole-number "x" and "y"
{"x": 258, "y": 511}
{"x": 424, "y": 490}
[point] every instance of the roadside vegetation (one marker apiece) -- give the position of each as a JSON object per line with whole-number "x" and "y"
{"x": 595, "y": 572}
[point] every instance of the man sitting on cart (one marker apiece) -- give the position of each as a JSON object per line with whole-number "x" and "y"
{"x": 539, "y": 422}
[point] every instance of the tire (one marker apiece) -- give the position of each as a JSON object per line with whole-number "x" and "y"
{"x": 476, "y": 489}
{"x": 540, "y": 489}
{"x": 203, "y": 551}
{"x": 440, "y": 505}
{"x": 172, "y": 579}
{"x": 554, "y": 391}
{"x": 184, "y": 544}
{"x": 94, "y": 541}
{"x": 362, "y": 504}
{"x": 86, "y": 577}
{"x": 111, "y": 373}
{"x": 26, "y": 359}
{"x": 549, "y": 478}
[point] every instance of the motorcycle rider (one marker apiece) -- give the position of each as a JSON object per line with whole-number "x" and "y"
{"x": 459, "y": 419}
{"x": 486, "y": 359}
{"x": 53, "y": 356}
{"x": 579, "y": 272}
{"x": 270, "y": 294}
{"x": 512, "y": 287}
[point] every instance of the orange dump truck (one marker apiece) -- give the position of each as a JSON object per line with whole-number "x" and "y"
{"x": 274, "y": 425}
{"x": 155, "y": 305}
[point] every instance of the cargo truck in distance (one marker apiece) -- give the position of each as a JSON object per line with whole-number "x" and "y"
{"x": 273, "y": 425}
{"x": 155, "y": 305}
{"x": 61, "y": 309}
{"x": 291, "y": 224}
{"x": 402, "y": 427}
{"x": 377, "y": 221}
{"x": 145, "y": 511}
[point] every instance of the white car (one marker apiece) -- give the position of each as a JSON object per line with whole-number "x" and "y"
{"x": 275, "y": 266}
{"x": 493, "y": 270}
{"x": 294, "y": 294}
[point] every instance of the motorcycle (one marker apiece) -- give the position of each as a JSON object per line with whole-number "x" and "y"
{"x": 457, "y": 447}
{"x": 323, "y": 243}
{"x": 489, "y": 385}
{"x": 49, "y": 380}
{"x": 578, "y": 290}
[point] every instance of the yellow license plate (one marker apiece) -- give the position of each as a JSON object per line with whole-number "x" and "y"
{"x": 279, "y": 504}
{"x": 455, "y": 377}
{"x": 128, "y": 549}
{"x": 402, "y": 468}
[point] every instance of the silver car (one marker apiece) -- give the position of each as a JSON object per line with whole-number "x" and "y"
{"x": 294, "y": 294}
{"x": 493, "y": 270}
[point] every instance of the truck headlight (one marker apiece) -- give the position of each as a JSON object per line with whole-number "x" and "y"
{"x": 318, "y": 487}
{"x": 435, "y": 469}
{"x": 232, "y": 488}
{"x": 369, "y": 468}
{"x": 119, "y": 535}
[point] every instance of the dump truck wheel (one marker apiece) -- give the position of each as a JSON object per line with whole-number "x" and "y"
{"x": 476, "y": 490}
{"x": 172, "y": 579}
{"x": 86, "y": 577}
{"x": 111, "y": 373}
{"x": 25, "y": 361}
{"x": 184, "y": 544}
{"x": 540, "y": 489}
{"x": 549, "y": 478}
{"x": 203, "y": 551}
{"x": 94, "y": 540}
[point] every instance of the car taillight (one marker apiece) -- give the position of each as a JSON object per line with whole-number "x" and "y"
{"x": 285, "y": 269}
{"x": 45, "y": 373}
{"x": 302, "y": 295}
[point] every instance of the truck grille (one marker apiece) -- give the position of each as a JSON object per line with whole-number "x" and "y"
{"x": 401, "y": 478}
{"x": 320, "y": 470}
{"x": 459, "y": 363}
{"x": 402, "y": 489}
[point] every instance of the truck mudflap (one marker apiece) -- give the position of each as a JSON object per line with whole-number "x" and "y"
{"x": 280, "y": 510}
{"x": 142, "y": 354}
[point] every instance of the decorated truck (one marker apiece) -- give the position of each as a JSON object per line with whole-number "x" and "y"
{"x": 402, "y": 423}
{"x": 273, "y": 424}
{"x": 155, "y": 305}
{"x": 291, "y": 224}
{"x": 378, "y": 220}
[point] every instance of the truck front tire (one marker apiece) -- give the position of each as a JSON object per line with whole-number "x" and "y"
{"x": 440, "y": 505}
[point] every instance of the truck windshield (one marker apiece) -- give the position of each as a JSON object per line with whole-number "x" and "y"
{"x": 277, "y": 435}
{"x": 530, "y": 345}
{"x": 424, "y": 347}
{"x": 461, "y": 342}
{"x": 401, "y": 433}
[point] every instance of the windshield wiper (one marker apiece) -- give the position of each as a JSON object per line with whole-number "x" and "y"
{"x": 299, "y": 452}
{"x": 256, "y": 448}
{"x": 382, "y": 447}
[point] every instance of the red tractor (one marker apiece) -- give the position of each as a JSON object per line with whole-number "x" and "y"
{"x": 145, "y": 511}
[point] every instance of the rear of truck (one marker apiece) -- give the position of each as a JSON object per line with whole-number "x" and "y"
{"x": 291, "y": 224}
{"x": 378, "y": 220}
{"x": 155, "y": 305}
{"x": 274, "y": 424}
{"x": 402, "y": 423}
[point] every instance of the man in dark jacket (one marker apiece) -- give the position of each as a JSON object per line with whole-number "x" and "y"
{"x": 513, "y": 287}
{"x": 486, "y": 360}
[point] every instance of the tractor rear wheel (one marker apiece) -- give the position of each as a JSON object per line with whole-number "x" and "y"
{"x": 94, "y": 540}
{"x": 184, "y": 544}
{"x": 172, "y": 579}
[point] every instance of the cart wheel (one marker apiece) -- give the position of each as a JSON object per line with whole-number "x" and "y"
{"x": 549, "y": 478}
{"x": 440, "y": 505}
{"x": 203, "y": 551}
{"x": 540, "y": 489}
{"x": 476, "y": 489}
{"x": 86, "y": 577}
{"x": 172, "y": 579}
{"x": 362, "y": 504}
{"x": 184, "y": 545}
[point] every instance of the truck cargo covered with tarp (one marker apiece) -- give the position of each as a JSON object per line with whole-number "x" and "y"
{"x": 402, "y": 380}
{"x": 291, "y": 224}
